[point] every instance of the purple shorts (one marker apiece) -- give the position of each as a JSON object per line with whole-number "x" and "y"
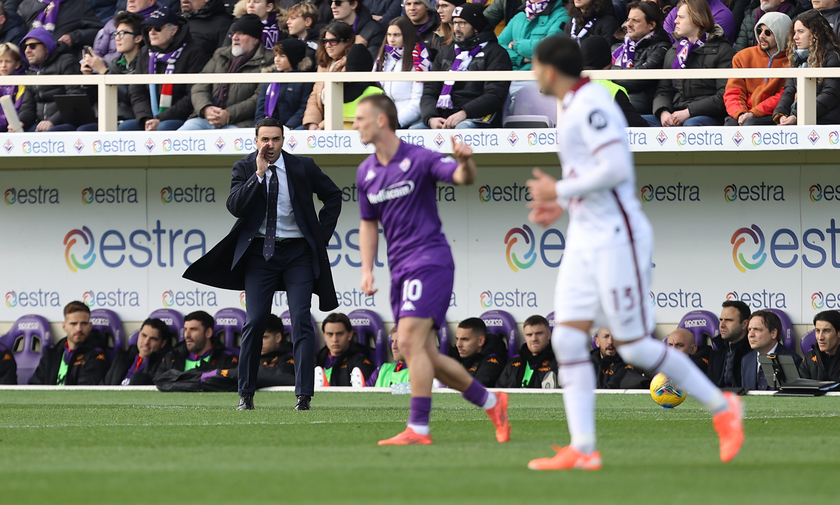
{"x": 423, "y": 292}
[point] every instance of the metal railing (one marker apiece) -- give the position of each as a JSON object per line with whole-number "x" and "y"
{"x": 806, "y": 81}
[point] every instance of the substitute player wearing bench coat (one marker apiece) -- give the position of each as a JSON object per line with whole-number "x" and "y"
{"x": 397, "y": 185}
{"x": 605, "y": 273}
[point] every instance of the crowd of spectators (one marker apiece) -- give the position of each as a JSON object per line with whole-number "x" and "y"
{"x": 199, "y": 360}
{"x": 67, "y": 37}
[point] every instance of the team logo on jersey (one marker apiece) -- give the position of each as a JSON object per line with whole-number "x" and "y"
{"x": 597, "y": 120}
{"x": 405, "y": 164}
{"x": 370, "y": 175}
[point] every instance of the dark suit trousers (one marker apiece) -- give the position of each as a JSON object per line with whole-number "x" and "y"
{"x": 292, "y": 261}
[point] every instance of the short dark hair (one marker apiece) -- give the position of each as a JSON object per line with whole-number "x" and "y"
{"x": 771, "y": 322}
{"x": 535, "y": 320}
{"x": 75, "y": 306}
{"x": 274, "y": 324}
{"x": 742, "y": 307}
{"x": 202, "y": 317}
{"x": 337, "y": 317}
{"x": 130, "y": 18}
{"x": 475, "y": 325}
{"x": 384, "y": 105}
{"x": 562, "y": 53}
{"x": 831, "y": 317}
{"x": 268, "y": 122}
{"x": 161, "y": 328}
{"x": 649, "y": 9}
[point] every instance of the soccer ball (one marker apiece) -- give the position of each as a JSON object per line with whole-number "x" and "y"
{"x": 666, "y": 393}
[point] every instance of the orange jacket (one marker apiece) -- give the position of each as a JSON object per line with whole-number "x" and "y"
{"x": 758, "y": 96}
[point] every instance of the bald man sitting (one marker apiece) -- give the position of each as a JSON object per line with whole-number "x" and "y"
{"x": 684, "y": 341}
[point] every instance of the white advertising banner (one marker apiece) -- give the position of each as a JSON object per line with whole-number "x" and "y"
{"x": 120, "y": 239}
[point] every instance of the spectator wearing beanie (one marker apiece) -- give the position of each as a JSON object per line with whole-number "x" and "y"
{"x": 286, "y": 102}
{"x": 223, "y": 105}
{"x": 358, "y": 60}
{"x": 268, "y": 12}
{"x": 475, "y": 104}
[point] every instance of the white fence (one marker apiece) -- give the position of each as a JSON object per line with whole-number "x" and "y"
{"x": 806, "y": 84}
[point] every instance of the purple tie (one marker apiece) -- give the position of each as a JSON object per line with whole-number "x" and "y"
{"x": 271, "y": 218}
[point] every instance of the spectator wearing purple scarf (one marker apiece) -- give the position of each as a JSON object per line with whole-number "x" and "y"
{"x": 700, "y": 44}
{"x": 105, "y": 45}
{"x": 286, "y": 102}
{"x": 11, "y": 63}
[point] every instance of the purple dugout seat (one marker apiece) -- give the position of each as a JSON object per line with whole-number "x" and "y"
{"x": 171, "y": 318}
{"x": 807, "y": 341}
{"x": 132, "y": 340}
{"x": 370, "y": 331}
{"x": 502, "y": 323}
{"x": 532, "y": 109}
{"x": 552, "y": 323}
{"x": 228, "y": 327}
{"x": 28, "y": 338}
{"x": 443, "y": 339}
{"x": 110, "y": 324}
{"x": 286, "y": 318}
{"x": 702, "y": 323}
{"x": 786, "y": 338}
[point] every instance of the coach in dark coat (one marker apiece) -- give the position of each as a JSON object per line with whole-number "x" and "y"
{"x": 749, "y": 368}
{"x": 297, "y": 265}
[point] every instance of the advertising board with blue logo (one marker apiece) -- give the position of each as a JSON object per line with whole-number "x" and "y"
{"x": 120, "y": 239}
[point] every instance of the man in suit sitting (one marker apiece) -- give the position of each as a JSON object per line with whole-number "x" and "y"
{"x": 764, "y": 334}
{"x": 278, "y": 243}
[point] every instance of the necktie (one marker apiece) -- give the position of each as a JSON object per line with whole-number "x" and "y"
{"x": 271, "y": 217}
{"x": 762, "y": 381}
{"x": 728, "y": 365}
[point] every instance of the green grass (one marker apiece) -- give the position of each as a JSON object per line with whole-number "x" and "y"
{"x": 93, "y": 447}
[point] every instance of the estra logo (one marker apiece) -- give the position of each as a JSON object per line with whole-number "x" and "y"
{"x": 760, "y": 299}
{"x": 38, "y": 298}
{"x": 817, "y": 300}
{"x": 82, "y": 247}
{"x": 115, "y": 194}
{"x": 508, "y": 299}
{"x": 115, "y": 298}
{"x": 755, "y": 193}
{"x": 738, "y": 239}
{"x": 510, "y": 193}
{"x": 245, "y": 144}
{"x": 196, "y": 298}
{"x": 828, "y": 193}
{"x": 678, "y": 192}
{"x": 39, "y": 195}
{"x": 194, "y": 194}
{"x": 783, "y": 247}
{"x": 551, "y": 240}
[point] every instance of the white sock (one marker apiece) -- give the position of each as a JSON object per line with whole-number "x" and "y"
{"x": 577, "y": 377}
{"x": 655, "y": 356}
{"x": 419, "y": 429}
{"x": 491, "y": 401}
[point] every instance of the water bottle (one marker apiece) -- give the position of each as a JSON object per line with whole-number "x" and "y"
{"x": 403, "y": 388}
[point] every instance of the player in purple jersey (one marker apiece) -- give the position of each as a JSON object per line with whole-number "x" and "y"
{"x": 397, "y": 187}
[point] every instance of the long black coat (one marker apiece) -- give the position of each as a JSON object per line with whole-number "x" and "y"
{"x": 222, "y": 267}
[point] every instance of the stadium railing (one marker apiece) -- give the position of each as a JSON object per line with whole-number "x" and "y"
{"x": 806, "y": 80}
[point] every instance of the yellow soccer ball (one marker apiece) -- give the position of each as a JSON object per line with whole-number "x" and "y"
{"x": 665, "y": 393}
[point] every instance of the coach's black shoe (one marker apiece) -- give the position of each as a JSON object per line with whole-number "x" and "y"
{"x": 303, "y": 402}
{"x": 246, "y": 403}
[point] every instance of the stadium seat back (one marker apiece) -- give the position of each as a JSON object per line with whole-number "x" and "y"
{"x": 228, "y": 327}
{"x": 532, "y": 109}
{"x": 702, "y": 323}
{"x": 787, "y": 337}
{"x": 501, "y": 323}
{"x": 173, "y": 319}
{"x": 110, "y": 325}
{"x": 552, "y": 323}
{"x": 27, "y": 339}
{"x": 370, "y": 332}
{"x": 807, "y": 341}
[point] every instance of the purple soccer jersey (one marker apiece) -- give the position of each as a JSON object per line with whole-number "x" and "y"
{"x": 401, "y": 196}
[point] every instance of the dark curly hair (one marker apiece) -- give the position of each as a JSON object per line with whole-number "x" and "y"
{"x": 823, "y": 39}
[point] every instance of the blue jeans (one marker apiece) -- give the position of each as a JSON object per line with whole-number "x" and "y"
{"x": 467, "y": 123}
{"x": 692, "y": 121}
{"x": 131, "y": 125}
{"x": 199, "y": 123}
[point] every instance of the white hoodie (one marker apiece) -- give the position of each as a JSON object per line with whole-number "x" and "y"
{"x": 406, "y": 95}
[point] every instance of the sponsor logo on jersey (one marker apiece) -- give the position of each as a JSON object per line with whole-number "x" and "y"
{"x": 392, "y": 192}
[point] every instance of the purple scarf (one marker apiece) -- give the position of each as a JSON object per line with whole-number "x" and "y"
{"x": 624, "y": 55}
{"x": 47, "y": 17}
{"x": 271, "y": 32}
{"x": 170, "y": 59}
{"x": 583, "y": 31}
{"x": 135, "y": 367}
{"x": 684, "y": 48}
{"x": 272, "y": 95}
{"x": 534, "y": 9}
{"x": 425, "y": 25}
{"x": 462, "y": 59}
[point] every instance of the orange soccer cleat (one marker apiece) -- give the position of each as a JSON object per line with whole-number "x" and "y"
{"x": 728, "y": 425}
{"x": 408, "y": 437}
{"x": 568, "y": 458}
{"x": 498, "y": 415}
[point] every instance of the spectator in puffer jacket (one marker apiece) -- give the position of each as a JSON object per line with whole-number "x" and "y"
{"x": 393, "y": 58}
{"x": 286, "y": 102}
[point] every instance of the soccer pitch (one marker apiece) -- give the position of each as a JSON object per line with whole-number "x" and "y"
{"x": 125, "y": 447}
